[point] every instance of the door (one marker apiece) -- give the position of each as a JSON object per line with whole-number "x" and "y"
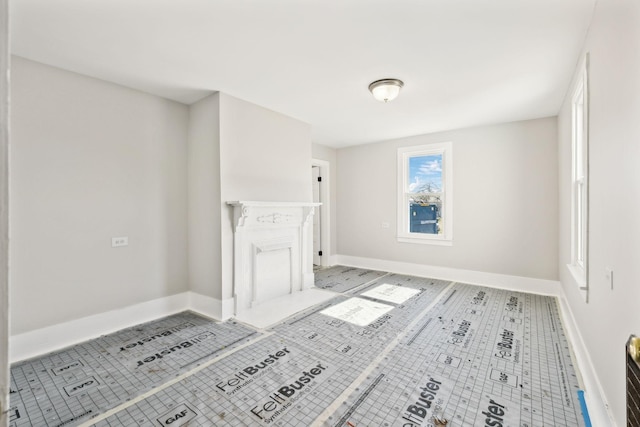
{"x": 316, "y": 181}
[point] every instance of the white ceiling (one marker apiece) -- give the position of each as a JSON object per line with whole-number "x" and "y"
{"x": 464, "y": 62}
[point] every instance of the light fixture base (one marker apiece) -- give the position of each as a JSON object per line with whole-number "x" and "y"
{"x": 385, "y": 90}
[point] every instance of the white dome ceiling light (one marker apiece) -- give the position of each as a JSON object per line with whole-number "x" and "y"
{"x": 386, "y": 90}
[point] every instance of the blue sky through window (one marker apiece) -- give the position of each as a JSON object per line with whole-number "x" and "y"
{"x": 425, "y": 170}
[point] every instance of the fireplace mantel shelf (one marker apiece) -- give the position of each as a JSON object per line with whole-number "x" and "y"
{"x": 273, "y": 204}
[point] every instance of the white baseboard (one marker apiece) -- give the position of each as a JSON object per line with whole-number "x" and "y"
{"x": 594, "y": 393}
{"x": 55, "y": 337}
{"x": 494, "y": 280}
{"x": 211, "y": 307}
{"x": 52, "y": 338}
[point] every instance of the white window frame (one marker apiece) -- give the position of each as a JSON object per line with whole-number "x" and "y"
{"x": 404, "y": 153}
{"x": 580, "y": 177}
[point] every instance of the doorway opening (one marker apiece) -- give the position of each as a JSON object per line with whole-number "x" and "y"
{"x": 321, "y": 219}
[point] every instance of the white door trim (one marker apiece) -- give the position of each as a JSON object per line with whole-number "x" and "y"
{"x": 316, "y": 183}
{"x": 325, "y": 209}
{"x": 4, "y": 212}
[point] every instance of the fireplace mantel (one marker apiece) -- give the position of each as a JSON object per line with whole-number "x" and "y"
{"x": 263, "y": 213}
{"x": 273, "y": 245}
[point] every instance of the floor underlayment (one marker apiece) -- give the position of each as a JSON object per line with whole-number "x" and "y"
{"x": 341, "y": 279}
{"x": 72, "y": 385}
{"x": 390, "y": 350}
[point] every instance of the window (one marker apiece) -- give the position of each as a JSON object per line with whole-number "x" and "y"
{"x": 579, "y": 178}
{"x": 425, "y": 194}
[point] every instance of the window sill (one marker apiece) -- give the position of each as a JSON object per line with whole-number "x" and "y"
{"x": 578, "y": 276}
{"x": 436, "y": 242}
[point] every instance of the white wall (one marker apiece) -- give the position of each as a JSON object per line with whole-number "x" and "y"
{"x": 91, "y": 161}
{"x": 204, "y": 197}
{"x": 237, "y": 151}
{"x": 328, "y": 154}
{"x": 505, "y": 201}
{"x": 264, "y": 156}
{"x": 611, "y": 315}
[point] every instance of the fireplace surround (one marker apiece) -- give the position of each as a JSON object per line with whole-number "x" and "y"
{"x": 273, "y": 244}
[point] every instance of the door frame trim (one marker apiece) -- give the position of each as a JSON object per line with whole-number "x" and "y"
{"x": 5, "y": 64}
{"x": 325, "y": 210}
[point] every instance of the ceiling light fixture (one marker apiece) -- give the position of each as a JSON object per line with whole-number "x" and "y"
{"x": 386, "y": 90}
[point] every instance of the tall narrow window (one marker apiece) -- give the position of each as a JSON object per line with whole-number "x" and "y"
{"x": 425, "y": 193}
{"x": 580, "y": 175}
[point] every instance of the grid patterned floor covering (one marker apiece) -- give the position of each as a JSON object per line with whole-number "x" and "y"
{"x": 397, "y": 351}
{"x": 69, "y": 386}
{"x": 342, "y": 279}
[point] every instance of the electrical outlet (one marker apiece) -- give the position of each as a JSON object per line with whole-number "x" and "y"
{"x": 116, "y": 242}
{"x": 385, "y": 225}
{"x": 608, "y": 272}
